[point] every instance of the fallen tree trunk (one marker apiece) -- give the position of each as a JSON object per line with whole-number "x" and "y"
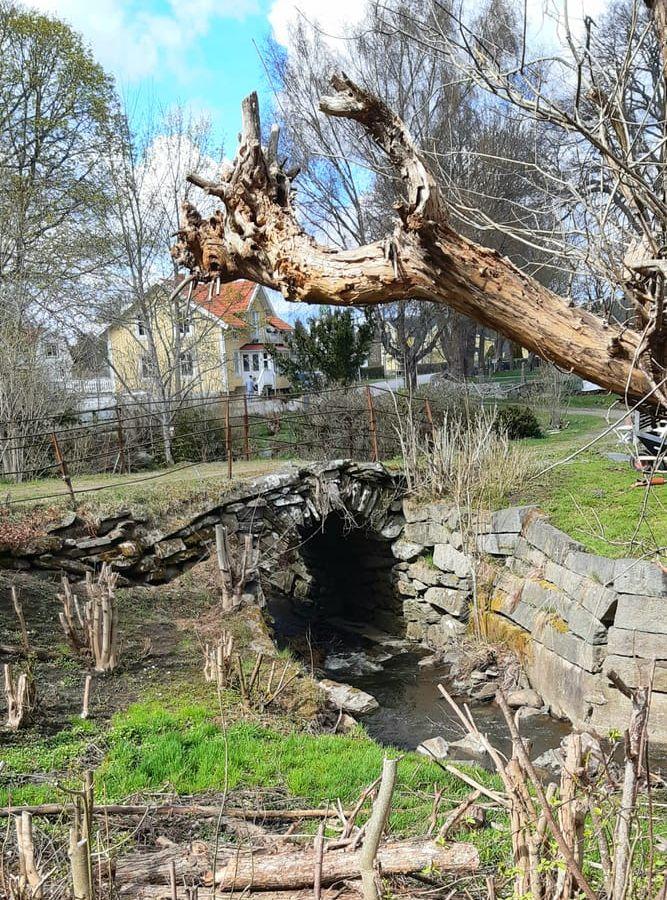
{"x": 49, "y": 810}
{"x": 191, "y": 863}
{"x": 297, "y": 870}
{"x": 256, "y": 235}
{"x": 162, "y": 892}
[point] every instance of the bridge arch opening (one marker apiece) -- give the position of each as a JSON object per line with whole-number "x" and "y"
{"x": 348, "y": 572}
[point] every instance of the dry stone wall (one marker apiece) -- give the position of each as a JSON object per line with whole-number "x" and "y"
{"x": 573, "y": 616}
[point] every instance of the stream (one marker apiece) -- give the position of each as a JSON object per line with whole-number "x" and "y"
{"x": 411, "y": 709}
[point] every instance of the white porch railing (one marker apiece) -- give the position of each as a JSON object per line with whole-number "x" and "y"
{"x": 90, "y": 386}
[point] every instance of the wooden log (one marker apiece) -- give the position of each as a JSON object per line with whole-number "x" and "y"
{"x": 296, "y": 870}
{"x": 49, "y": 810}
{"x": 162, "y": 892}
{"x": 190, "y": 863}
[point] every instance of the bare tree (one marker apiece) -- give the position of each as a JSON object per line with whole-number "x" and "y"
{"x": 166, "y": 334}
{"x": 28, "y": 396}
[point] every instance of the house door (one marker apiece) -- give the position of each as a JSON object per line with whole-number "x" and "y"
{"x": 259, "y": 365}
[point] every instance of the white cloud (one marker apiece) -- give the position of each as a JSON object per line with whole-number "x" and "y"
{"x": 332, "y": 18}
{"x": 134, "y": 42}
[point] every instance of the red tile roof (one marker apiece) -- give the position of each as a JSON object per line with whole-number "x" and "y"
{"x": 253, "y": 347}
{"x": 279, "y": 324}
{"x": 232, "y": 299}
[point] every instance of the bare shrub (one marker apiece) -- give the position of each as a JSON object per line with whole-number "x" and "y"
{"x": 552, "y": 391}
{"x": 91, "y": 628}
{"x": 470, "y": 460}
{"x": 337, "y": 424}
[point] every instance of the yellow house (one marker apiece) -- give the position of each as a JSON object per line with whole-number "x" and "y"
{"x": 218, "y": 339}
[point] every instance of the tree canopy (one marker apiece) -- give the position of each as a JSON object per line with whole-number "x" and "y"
{"x": 327, "y": 350}
{"x": 54, "y": 103}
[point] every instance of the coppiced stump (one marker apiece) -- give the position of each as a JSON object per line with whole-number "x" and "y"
{"x": 218, "y": 660}
{"x": 91, "y": 627}
{"x": 21, "y": 695}
{"x": 237, "y": 565}
{"x": 255, "y": 234}
{"x": 30, "y": 878}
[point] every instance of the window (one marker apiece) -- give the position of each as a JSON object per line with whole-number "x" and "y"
{"x": 254, "y": 319}
{"x": 147, "y": 370}
{"x": 185, "y": 327}
{"x": 50, "y": 350}
{"x": 255, "y": 362}
{"x": 246, "y": 362}
{"x": 266, "y": 361}
{"x": 141, "y": 328}
{"x": 187, "y": 364}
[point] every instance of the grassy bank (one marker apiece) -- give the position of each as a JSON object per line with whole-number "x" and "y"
{"x": 184, "y": 749}
{"x": 158, "y": 730}
{"x": 592, "y": 497}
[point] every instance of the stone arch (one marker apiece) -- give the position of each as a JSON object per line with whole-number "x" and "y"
{"x": 280, "y": 510}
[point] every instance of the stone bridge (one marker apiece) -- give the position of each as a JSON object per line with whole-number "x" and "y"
{"x": 290, "y": 515}
{"x": 342, "y": 535}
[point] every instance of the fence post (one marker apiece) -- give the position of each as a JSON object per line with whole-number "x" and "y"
{"x": 371, "y": 419}
{"x": 246, "y": 428}
{"x": 228, "y": 437}
{"x": 62, "y": 465}
{"x": 122, "y": 456}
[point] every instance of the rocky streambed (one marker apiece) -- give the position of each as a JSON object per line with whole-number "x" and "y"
{"x": 391, "y": 685}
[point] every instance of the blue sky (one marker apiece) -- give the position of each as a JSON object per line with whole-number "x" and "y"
{"x": 222, "y": 67}
{"x": 203, "y": 53}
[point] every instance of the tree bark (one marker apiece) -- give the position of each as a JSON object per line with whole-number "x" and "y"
{"x": 256, "y": 235}
{"x": 296, "y": 870}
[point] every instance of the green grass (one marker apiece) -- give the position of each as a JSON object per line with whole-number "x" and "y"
{"x": 592, "y": 499}
{"x": 594, "y": 401}
{"x": 181, "y": 747}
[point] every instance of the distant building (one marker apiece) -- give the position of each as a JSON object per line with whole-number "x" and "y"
{"x": 226, "y": 336}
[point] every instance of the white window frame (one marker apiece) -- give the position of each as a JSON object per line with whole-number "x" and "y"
{"x": 192, "y": 363}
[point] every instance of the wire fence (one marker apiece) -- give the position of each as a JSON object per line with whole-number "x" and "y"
{"x": 358, "y": 422}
